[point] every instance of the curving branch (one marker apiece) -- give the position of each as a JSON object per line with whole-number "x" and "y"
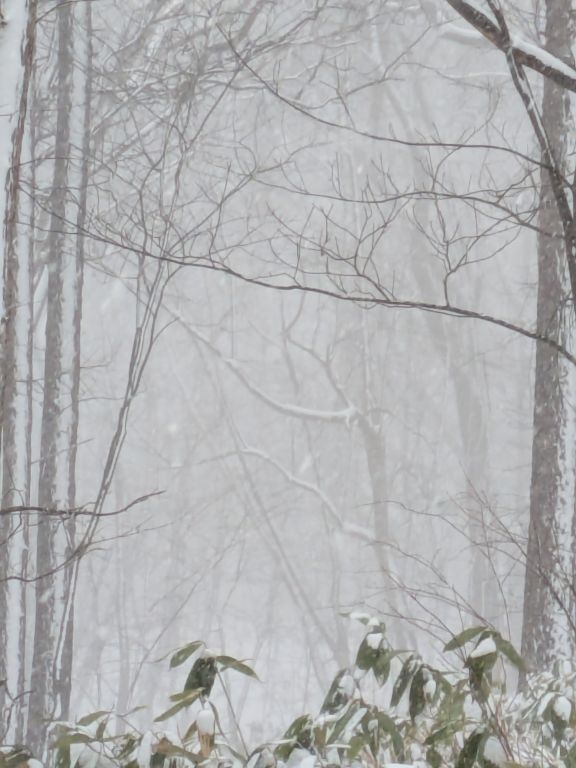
{"x": 526, "y": 54}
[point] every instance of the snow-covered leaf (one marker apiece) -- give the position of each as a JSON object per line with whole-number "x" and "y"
{"x": 469, "y": 751}
{"x": 485, "y": 647}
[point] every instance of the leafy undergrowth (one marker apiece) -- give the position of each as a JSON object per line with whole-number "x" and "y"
{"x": 459, "y": 717}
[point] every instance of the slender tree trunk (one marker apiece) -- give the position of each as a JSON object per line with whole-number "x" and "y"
{"x": 548, "y": 628}
{"x": 52, "y": 650}
{"x": 19, "y": 33}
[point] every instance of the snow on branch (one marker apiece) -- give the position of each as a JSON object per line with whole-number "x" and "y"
{"x": 352, "y": 529}
{"x": 526, "y": 54}
{"x": 348, "y": 415}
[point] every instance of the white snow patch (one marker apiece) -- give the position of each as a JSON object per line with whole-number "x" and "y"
{"x": 359, "y": 616}
{"x": 544, "y": 701}
{"x": 298, "y": 758}
{"x": 494, "y": 752}
{"x": 429, "y": 689}
{"x": 347, "y": 685}
{"x": 144, "y": 752}
{"x": 205, "y": 721}
{"x": 374, "y": 640}
{"x": 547, "y": 59}
{"x": 472, "y": 711}
{"x": 484, "y": 648}
{"x": 562, "y": 708}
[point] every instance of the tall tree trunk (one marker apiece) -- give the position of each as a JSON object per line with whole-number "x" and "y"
{"x": 548, "y": 617}
{"x": 18, "y": 34}
{"x": 52, "y": 649}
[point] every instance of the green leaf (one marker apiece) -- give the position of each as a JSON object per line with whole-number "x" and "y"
{"x": 570, "y": 757}
{"x": 443, "y": 733}
{"x": 403, "y": 680}
{"x": 507, "y": 649}
{"x": 184, "y": 653}
{"x": 463, "y": 637}
{"x": 180, "y": 705}
{"x": 73, "y": 738}
{"x": 127, "y": 745}
{"x": 101, "y": 730}
{"x": 62, "y": 758}
{"x": 92, "y": 717}
{"x": 469, "y": 751}
{"x": 320, "y": 737}
{"x": 299, "y": 732}
{"x": 389, "y": 727}
{"x": 172, "y": 750}
{"x": 18, "y": 756}
{"x": 417, "y": 700}
{"x": 381, "y": 667}
{"x": 170, "y": 712}
{"x": 452, "y": 705}
{"x": 480, "y": 673}
{"x": 227, "y": 662}
{"x": 192, "y": 694}
{"x": 433, "y": 757}
{"x": 342, "y": 722}
{"x": 367, "y": 655}
{"x": 190, "y": 732}
{"x": 357, "y": 744}
{"x": 336, "y": 698}
{"x": 134, "y": 709}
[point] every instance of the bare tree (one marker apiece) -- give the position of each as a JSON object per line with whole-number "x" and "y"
{"x": 17, "y": 45}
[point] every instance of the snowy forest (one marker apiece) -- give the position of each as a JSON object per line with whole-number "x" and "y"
{"x": 288, "y": 365}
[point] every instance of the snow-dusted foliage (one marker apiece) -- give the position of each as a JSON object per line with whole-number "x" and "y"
{"x": 389, "y": 708}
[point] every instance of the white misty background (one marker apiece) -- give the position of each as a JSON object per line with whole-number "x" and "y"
{"x": 287, "y": 333}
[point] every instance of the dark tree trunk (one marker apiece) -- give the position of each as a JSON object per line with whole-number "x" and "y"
{"x": 52, "y": 648}
{"x": 548, "y": 601}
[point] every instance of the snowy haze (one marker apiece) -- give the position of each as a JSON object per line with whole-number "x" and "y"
{"x": 302, "y": 455}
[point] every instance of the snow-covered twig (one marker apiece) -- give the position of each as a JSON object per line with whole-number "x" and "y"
{"x": 353, "y": 530}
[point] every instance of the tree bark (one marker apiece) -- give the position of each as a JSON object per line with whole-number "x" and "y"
{"x": 16, "y": 394}
{"x": 548, "y": 616}
{"x": 52, "y": 649}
